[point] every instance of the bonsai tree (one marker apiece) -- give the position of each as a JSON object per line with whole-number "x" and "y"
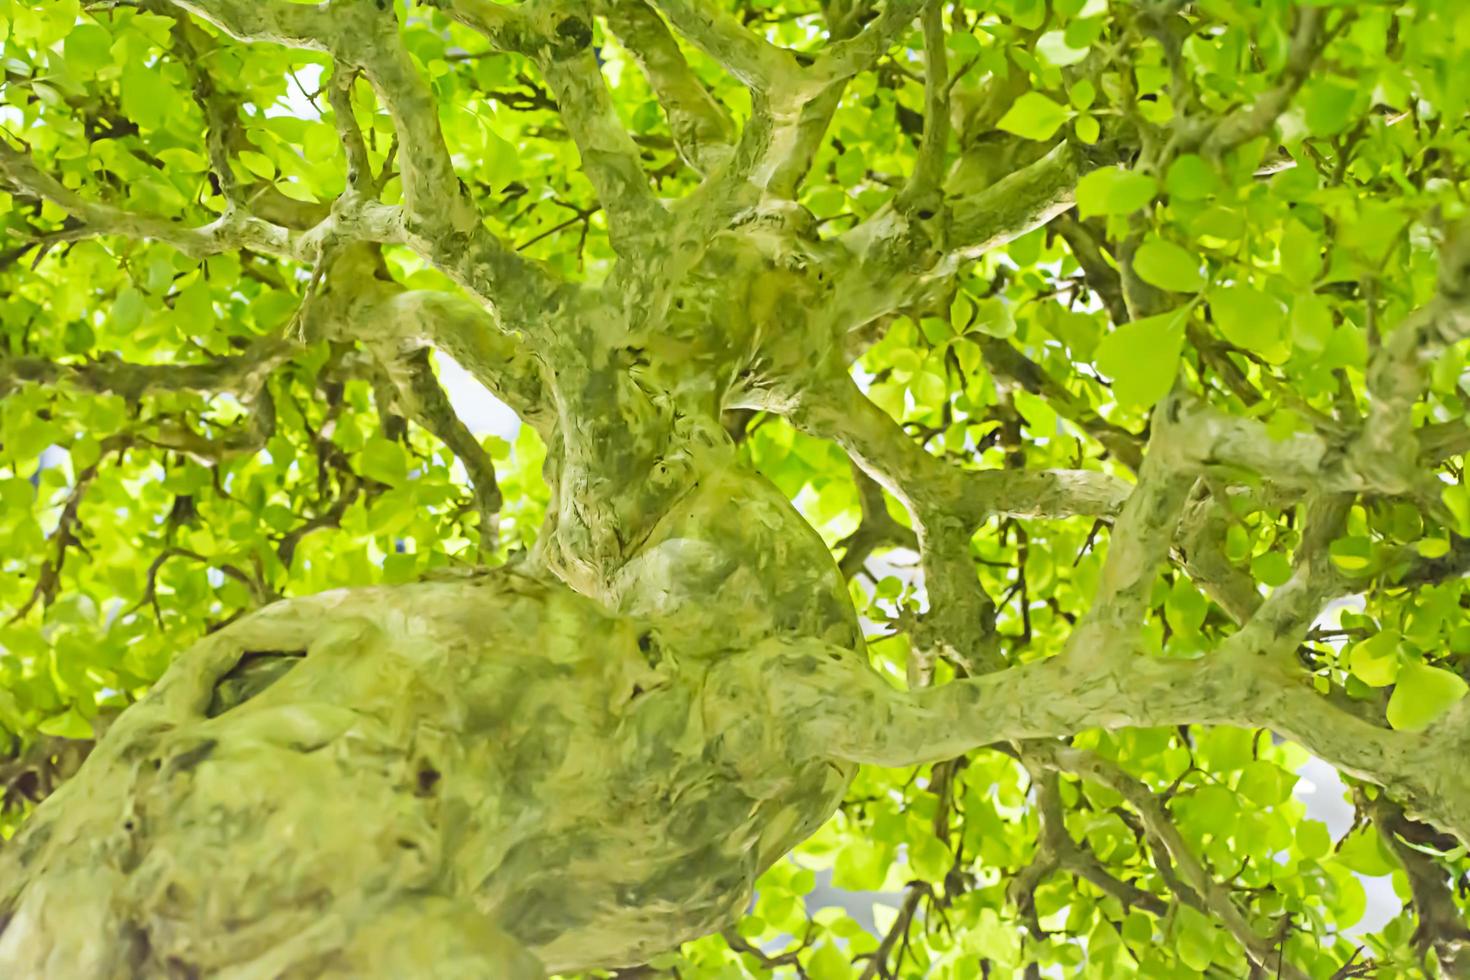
{"x": 978, "y": 450}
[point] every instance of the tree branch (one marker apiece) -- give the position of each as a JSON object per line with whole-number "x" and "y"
{"x": 750, "y": 58}
{"x": 1386, "y": 449}
{"x": 1442, "y": 930}
{"x": 1138, "y": 544}
{"x": 610, "y": 158}
{"x": 221, "y": 118}
{"x": 426, "y": 403}
{"x": 233, "y": 230}
{"x": 850, "y": 57}
{"x": 339, "y": 96}
{"x": 701, "y": 126}
{"x": 1019, "y": 202}
{"x": 875, "y": 529}
{"x": 1244, "y": 125}
{"x": 1160, "y": 826}
{"x": 923, "y": 183}
{"x": 438, "y": 218}
{"x": 292, "y": 24}
{"x": 240, "y": 373}
{"x": 1244, "y": 683}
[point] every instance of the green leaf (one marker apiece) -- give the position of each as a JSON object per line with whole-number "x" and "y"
{"x": 1054, "y": 48}
{"x": 1432, "y": 547}
{"x": 1329, "y": 106}
{"x": 1138, "y": 928}
{"x": 1087, "y": 128}
{"x": 1311, "y": 323}
{"x": 1189, "y": 178}
{"x": 1226, "y": 749}
{"x": 1168, "y": 266}
{"x": 501, "y": 163}
{"x": 929, "y": 857}
{"x": 1456, "y": 497}
{"x": 1082, "y": 94}
{"x": 1040, "y": 417}
{"x": 1185, "y": 608}
{"x": 1265, "y": 783}
{"x": 88, "y": 47}
{"x": 1113, "y": 190}
{"x": 826, "y": 202}
{"x": 1194, "y": 939}
{"x": 1363, "y": 851}
{"x": 993, "y": 318}
{"x": 1301, "y": 254}
{"x": 78, "y": 337}
{"x": 1354, "y": 554}
{"x": 1375, "y": 661}
{"x": 1251, "y": 320}
{"x": 1142, "y": 358}
{"x": 1273, "y": 568}
{"x": 1422, "y": 694}
{"x": 828, "y": 963}
{"x": 851, "y": 168}
{"x": 1034, "y": 117}
{"x": 1313, "y": 839}
{"x": 128, "y": 309}
{"x": 68, "y": 724}
{"x": 257, "y": 163}
{"x": 384, "y": 461}
{"x": 146, "y": 98}
{"x": 861, "y": 866}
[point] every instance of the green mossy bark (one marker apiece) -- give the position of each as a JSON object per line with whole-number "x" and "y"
{"x": 498, "y": 757}
{"x": 542, "y": 779}
{"x": 584, "y": 761}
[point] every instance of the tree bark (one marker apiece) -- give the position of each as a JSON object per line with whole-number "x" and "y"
{"x": 584, "y": 760}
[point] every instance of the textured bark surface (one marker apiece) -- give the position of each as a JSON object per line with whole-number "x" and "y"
{"x": 476, "y": 775}
{"x": 587, "y": 758}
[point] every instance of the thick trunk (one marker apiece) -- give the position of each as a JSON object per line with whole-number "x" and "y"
{"x": 541, "y": 778}
{"x": 488, "y": 776}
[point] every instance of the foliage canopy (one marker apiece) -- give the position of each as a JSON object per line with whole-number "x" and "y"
{"x": 1067, "y": 228}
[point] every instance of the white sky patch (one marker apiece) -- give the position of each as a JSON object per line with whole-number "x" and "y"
{"x": 902, "y": 564}
{"x": 1323, "y": 793}
{"x": 1331, "y": 617}
{"x": 481, "y": 411}
{"x": 295, "y": 103}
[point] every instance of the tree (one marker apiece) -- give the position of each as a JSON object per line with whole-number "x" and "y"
{"x": 1141, "y": 324}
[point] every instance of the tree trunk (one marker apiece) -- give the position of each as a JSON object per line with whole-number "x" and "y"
{"x": 494, "y": 775}
{"x": 475, "y": 775}
{"x": 586, "y": 759}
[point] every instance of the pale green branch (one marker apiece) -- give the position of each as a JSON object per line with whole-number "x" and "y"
{"x": 1442, "y": 931}
{"x": 242, "y": 373}
{"x": 294, "y": 24}
{"x": 508, "y": 27}
{"x": 1386, "y": 449}
{"x": 924, "y": 182}
{"x": 610, "y": 158}
{"x": 1055, "y": 697}
{"x": 854, "y": 55}
{"x": 1159, "y": 824}
{"x": 438, "y": 218}
{"x": 231, "y": 231}
{"x": 750, "y": 58}
{"x": 424, "y": 401}
{"x": 1244, "y": 125}
{"x": 1018, "y": 202}
{"x": 701, "y": 126}
{"x": 1138, "y": 545}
